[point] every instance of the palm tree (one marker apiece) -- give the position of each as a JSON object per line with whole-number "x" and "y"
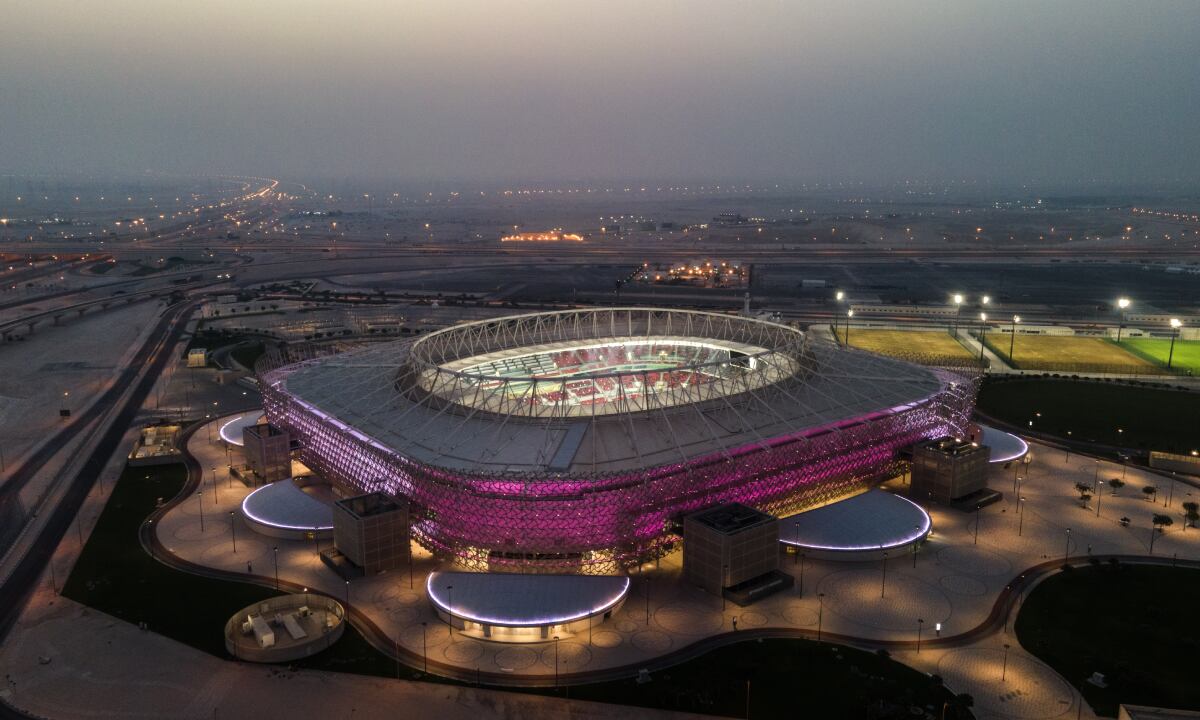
{"x": 1116, "y": 484}
{"x": 1150, "y": 491}
{"x": 1085, "y": 492}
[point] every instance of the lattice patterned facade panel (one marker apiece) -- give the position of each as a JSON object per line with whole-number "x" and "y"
{"x": 765, "y": 444}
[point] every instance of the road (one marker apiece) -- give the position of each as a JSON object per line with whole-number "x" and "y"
{"x": 152, "y": 357}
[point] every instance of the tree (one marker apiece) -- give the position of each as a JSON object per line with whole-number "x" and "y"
{"x": 1150, "y": 492}
{"x": 1116, "y": 484}
{"x": 1159, "y": 521}
{"x": 1085, "y": 492}
{"x": 1191, "y": 513}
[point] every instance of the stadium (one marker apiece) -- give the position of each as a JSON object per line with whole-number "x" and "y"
{"x": 576, "y": 441}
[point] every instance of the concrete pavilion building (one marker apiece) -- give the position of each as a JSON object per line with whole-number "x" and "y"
{"x": 950, "y": 470}
{"x": 733, "y": 550}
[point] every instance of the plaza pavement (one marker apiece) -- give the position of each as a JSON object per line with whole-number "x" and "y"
{"x": 956, "y": 582}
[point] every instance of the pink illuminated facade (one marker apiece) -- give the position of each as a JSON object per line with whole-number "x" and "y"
{"x": 496, "y": 480}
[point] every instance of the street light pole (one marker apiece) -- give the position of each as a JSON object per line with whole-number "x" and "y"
{"x": 233, "y": 530}
{"x": 820, "y": 613}
{"x": 1067, "y": 546}
{"x": 1004, "y": 667}
{"x": 920, "y": 625}
{"x": 200, "y": 499}
{"x": 276, "y": 549}
{"x": 1020, "y": 516}
{"x": 1099, "y": 494}
{"x": 849, "y": 314}
{"x": 883, "y": 577}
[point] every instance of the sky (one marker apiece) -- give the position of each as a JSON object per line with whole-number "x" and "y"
{"x": 1059, "y": 91}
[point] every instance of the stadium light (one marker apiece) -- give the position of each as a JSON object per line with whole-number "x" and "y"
{"x": 986, "y": 299}
{"x": 1176, "y": 323}
{"x": 958, "y": 301}
{"x": 1123, "y": 304}
{"x": 982, "y": 332}
{"x": 1012, "y": 340}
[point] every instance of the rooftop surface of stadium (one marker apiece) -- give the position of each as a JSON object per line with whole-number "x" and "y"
{"x": 594, "y": 392}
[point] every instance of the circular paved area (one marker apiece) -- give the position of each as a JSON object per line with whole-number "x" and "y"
{"x": 688, "y": 619}
{"x": 752, "y": 618}
{"x": 974, "y": 560}
{"x": 625, "y": 625}
{"x": 652, "y": 641}
{"x": 515, "y": 658}
{"x": 462, "y": 651}
{"x": 801, "y": 616}
{"x": 606, "y": 638}
{"x": 191, "y": 530}
{"x": 404, "y": 615}
{"x": 221, "y": 554}
{"x": 963, "y": 585}
{"x": 855, "y": 595}
{"x": 1030, "y": 689}
{"x": 571, "y": 656}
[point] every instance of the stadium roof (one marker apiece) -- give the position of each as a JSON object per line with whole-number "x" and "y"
{"x": 796, "y": 384}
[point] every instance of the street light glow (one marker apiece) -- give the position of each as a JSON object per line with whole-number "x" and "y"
{"x": 958, "y": 299}
{"x": 1123, "y": 303}
{"x": 1176, "y": 322}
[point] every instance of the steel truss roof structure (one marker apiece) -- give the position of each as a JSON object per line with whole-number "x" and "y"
{"x": 580, "y": 455}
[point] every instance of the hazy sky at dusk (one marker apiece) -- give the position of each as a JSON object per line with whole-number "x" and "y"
{"x": 566, "y": 89}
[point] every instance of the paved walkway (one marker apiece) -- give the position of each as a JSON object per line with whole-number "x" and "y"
{"x": 957, "y": 582}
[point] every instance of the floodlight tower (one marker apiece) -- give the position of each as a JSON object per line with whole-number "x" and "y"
{"x": 1176, "y": 323}
{"x": 1123, "y": 304}
{"x": 1012, "y": 340}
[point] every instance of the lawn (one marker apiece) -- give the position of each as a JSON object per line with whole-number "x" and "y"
{"x": 1068, "y": 353}
{"x": 1186, "y": 356}
{"x": 787, "y": 678}
{"x": 1149, "y": 418}
{"x": 936, "y": 345}
{"x": 115, "y": 575}
{"x": 1133, "y": 623}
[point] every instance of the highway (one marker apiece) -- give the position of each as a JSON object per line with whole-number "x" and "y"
{"x": 151, "y": 358}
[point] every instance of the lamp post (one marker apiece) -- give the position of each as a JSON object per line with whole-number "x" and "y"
{"x": 920, "y": 625}
{"x": 424, "y": 647}
{"x": 958, "y": 301}
{"x": 915, "y": 544}
{"x": 1012, "y": 338}
{"x": 1122, "y": 305}
{"x": 1067, "y": 546}
{"x": 1176, "y": 323}
{"x": 347, "y": 596}
{"x": 213, "y": 470}
{"x": 555, "y": 661}
{"x": 883, "y": 576}
{"x": 1099, "y": 494}
{"x": 200, "y": 499}
{"x": 233, "y": 530}
{"x": 1020, "y": 516}
{"x": 978, "y": 509}
{"x": 1004, "y": 666}
{"x": 982, "y": 333}
{"x": 820, "y": 613}
{"x": 849, "y": 314}
{"x": 837, "y": 311}
{"x": 276, "y": 549}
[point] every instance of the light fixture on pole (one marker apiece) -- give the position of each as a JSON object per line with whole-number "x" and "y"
{"x": 958, "y": 301}
{"x": 982, "y": 333}
{"x": 1123, "y": 305}
{"x": 849, "y": 314}
{"x": 1176, "y": 323}
{"x": 1012, "y": 340}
